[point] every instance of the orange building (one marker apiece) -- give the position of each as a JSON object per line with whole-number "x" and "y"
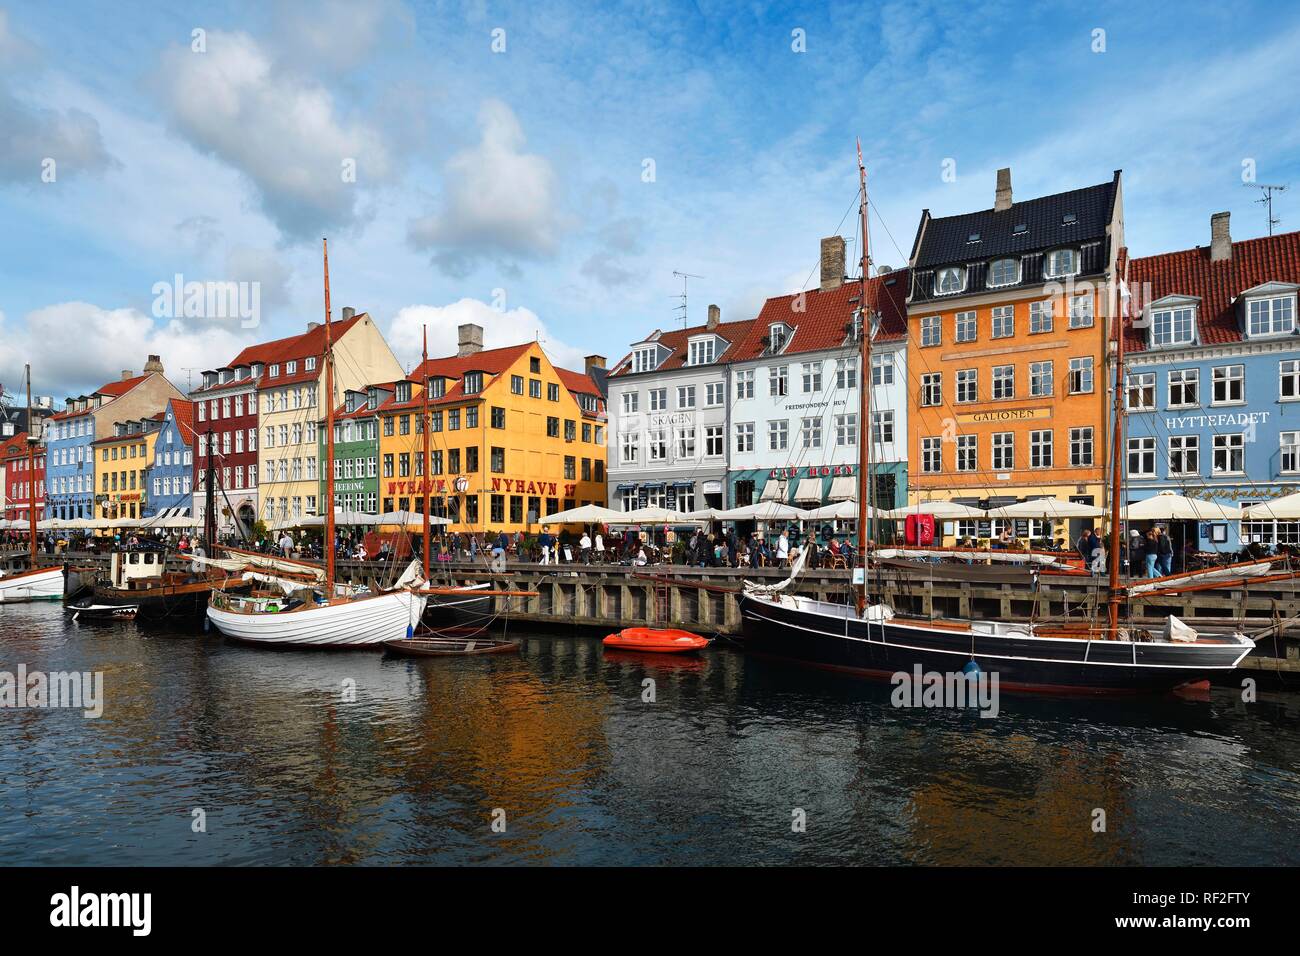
{"x": 1007, "y": 344}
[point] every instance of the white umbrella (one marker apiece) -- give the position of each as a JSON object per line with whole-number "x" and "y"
{"x": 840, "y": 511}
{"x": 1167, "y": 506}
{"x": 586, "y": 514}
{"x": 345, "y": 518}
{"x": 943, "y": 510}
{"x": 649, "y": 515}
{"x": 764, "y": 511}
{"x": 409, "y": 519}
{"x": 704, "y": 514}
{"x": 1286, "y": 508}
{"x": 1046, "y": 508}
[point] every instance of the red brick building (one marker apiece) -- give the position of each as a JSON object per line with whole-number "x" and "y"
{"x": 18, "y": 479}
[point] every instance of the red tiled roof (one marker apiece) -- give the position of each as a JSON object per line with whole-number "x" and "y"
{"x": 118, "y": 389}
{"x": 677, "y": 340}
{"x": 183, "y": 412}
{"x": 294, "y": 348}
{"x": 1217, "y": 284}
{"x": 578, "y": 382}
{"x": 492, "y": 361}
{"x": 826, "y": 315}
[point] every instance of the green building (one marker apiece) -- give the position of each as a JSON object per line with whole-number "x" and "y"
{"x": 356, "y": 452}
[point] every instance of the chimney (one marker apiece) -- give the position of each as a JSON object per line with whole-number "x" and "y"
{"x": 832, "y": 263}
{"x": 127, "y": 373}
{"x": 471, "y": 339}
{"x": 348, "y": 312}
{"x": 1220, "y": 240}
{"x": 594, "y": 361}
{"x": 1002, "y": 198}
{"x": 154, "y": 364}
{"x": 313, "y": 326}
{"x": 715, "y": 318}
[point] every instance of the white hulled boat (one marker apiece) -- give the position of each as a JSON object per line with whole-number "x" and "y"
{"x": 33, "y": 584}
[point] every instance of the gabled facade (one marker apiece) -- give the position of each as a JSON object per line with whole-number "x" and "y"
{"x": 356, "y": 450}
{"x": 1212, "y": 370}
{"x": 225, "y": 424}
{"x": 171, "y": 475}
{"x": 671, "y": 417}
{"x": 795, "y": 394}
{"x": 1007, "y": 335}
{"x": 122, "y": 461}
{"x": 23, "y": 486}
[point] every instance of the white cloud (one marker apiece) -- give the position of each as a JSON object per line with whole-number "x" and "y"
{"x": 500, "y": 329}
{"x": 498, "y": 201}
{"x": 281, "y": 129}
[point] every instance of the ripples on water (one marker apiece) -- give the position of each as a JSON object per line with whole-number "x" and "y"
{"x": 559, "y": 738}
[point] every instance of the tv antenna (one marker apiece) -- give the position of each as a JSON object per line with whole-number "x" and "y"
{"x": 1267, "y": 200}
{"x": 189, "y": 377}
{"x": 685, "y": 277}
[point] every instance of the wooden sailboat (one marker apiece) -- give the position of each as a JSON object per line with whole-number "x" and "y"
{"x": 35, "y": 583}
{"x": 874, "y": 641}
{"x": 319, "y": 615}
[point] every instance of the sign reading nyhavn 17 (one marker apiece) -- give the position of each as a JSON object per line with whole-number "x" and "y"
{"x": 461, "y": 485}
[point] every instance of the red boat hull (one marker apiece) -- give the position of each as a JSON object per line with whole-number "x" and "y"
{"x": 656, "y": 641}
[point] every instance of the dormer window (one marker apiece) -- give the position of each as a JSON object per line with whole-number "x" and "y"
{"x": 403, "y": 392}
{"x": 437, "y": 387}
{"x": 778, "y": 334}
{"x": 309, "y": 363}
{"x": 274, "y": 371}
{"x": 949, "y": 280}
{"x": 645, "y": 359}
{"x": 1004, "y": 272}
{"x": 1175, "y": 326}
{"x": 290, "y": 367}
{"x": 1272, "y": 316}
{"x": 472, "y": 383}
{"x": 1061, "y": 263}
{"x": 701, "y": 351}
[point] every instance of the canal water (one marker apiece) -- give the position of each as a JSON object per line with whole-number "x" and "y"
{"x": 316, "y": 758}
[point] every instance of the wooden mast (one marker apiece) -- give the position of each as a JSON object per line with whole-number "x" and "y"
{"x": 1116, "y": 488}
{"x": 31, "y": 474}
{"x": 424, "y": 427}
{"x": 328, "y": 464}
{"x": 865, "y": 314}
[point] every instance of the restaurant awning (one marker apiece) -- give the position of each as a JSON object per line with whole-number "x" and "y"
{"x": 773, "y": 491}
{"x": 808, "y": 491}
{"x": 843, "y": 488}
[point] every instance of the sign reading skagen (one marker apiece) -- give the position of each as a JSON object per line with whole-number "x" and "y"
{"x": 1004, "y": 415}
{"x": 671, "y": 418}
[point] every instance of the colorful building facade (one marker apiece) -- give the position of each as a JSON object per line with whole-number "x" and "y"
{"x": 356, "y": 451}
{"x": 1007, "y": 345}
{"x": 122, "y": 462}
{"x": 225, "y": 424}
{"x": 24, "y": 482}
{"x": 170, "y": 478}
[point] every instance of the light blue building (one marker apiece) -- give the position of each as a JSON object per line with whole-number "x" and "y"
{"x": 69, "y": 463}
{"x": 171, "y": 476}
{"x": 1213, "y": 382}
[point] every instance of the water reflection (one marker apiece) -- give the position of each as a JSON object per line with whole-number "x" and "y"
{"x": 359, "y": 758}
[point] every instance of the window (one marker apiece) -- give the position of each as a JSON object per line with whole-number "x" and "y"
{"x": 685, "y": 396}
{"x": 658, "y": 399}
{"x": 882, "y": 427}
{"x": 1173, "y": 326}
{"x": 1141, "y": 457}
{"x": 931, "y": 455}
{"x": 967, "y": 385}
{"x": 1229, "y": 454}
{"x": 967, "y": 453}
{"x": 471, "y": 416}
{"x": 778, "y": 435}
{"x": 534, "y": 388}
{"x": 1040, "y": 449}
{"x": 498, "y": 417}
{"x": 1040, "y": 379}
{"x": 517, "y": 384}
{"x": 1081, "y": 375}
{"x": 570, "y": 429}
{"x": 497, "y": 460}
{"x": 846, "y": 372}
{"x": 777, "y": 336}
{"x": 932, "y": 389}
{"x": 645, "y": 359}
{"x": 1290, "y": 451}
{"x": 811, "y": 432}
{"x": 745, "y": 437}
{"x": 1004, "y": 321}
{"x": 949, "y": 280}
{"x": 631, "y": 401}
{"x": 701, "y": 351}
{"x": 1184, "y": 455}
{"x": 931, "y": 330}
{"x": 1003, "y": 272}
{"x": 472, "y": 384}
{"x": 1040, "y": 316}
{"x": 1004, "y": 451}
{"x": 745, "y": 384}
{"x": 1061, "y": 262}
{"x": 1290, "y": 383}
{"x": 1081, "y": 446}
{"x": 552, "y": 426}
{"x": 812, "y": 377}
{"x": 1141, "y": 391}
{"x": 1004, "y": 381}
{"x": 715, "y": 393}
{"x": 534, "y": 364}
{"x": 1271, "y": 316}
{"x": 1184, "y": 387}
{"x": 965, "y": 327}
{"x": 685, "y": 444}
{"x": 882, "y": 369}
{"x": 846, "y": 430}
{"x": 1229, "y": 385}
{"x": 713, "y": 446}
{"x": 778, "y": 380}
{"x": 552, "y": 392}
{"x": 1081, "y": 315}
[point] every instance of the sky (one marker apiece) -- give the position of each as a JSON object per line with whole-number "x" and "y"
{"x": 543, "y": 169}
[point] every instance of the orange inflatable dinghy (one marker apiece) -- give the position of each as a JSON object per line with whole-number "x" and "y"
{"x": 657, "y": 641}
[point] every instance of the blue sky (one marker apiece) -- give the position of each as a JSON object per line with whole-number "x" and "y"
{"x": 508, "y": 187}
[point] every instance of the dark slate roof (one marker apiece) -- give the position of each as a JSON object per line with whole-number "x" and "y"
{"x": 947, "y": 240}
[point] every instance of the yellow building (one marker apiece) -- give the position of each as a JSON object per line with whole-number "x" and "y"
{"x": 512, "y": 438}
{"x": 121, "y": 463}
{"x": 291, "y": 396}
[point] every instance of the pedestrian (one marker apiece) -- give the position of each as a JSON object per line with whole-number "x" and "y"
{"x": 546, "y": 542}
{"x": 1150, "y": 553}
{"x": 783, "y": 548}
{"x": 600, "y": 547}
{"x": 1165, "y": 551}
{"x": 286, "y": 544}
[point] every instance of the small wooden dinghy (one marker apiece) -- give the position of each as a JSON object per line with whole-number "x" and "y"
{"x": 450, "y": 646}
{"x": 656, "y": 641}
